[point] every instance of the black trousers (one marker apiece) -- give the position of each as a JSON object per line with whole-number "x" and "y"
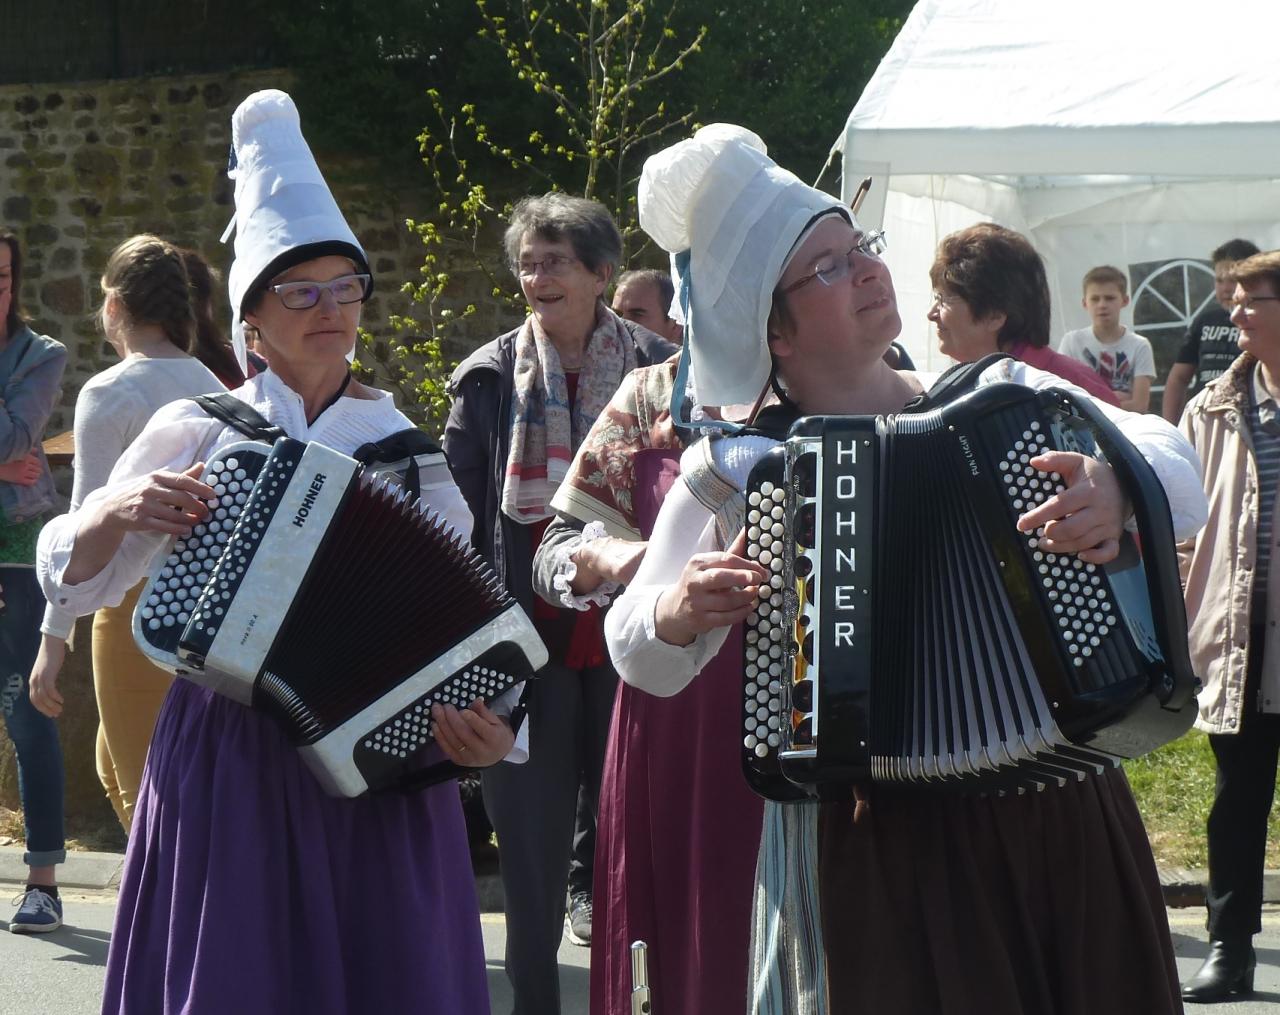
{"x": 1245, "y": 787}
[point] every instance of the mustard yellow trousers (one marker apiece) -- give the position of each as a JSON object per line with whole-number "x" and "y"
{"x": 130, "y": 689}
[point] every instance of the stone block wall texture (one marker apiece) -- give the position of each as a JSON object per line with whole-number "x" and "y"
{"x": 86, "y": 165}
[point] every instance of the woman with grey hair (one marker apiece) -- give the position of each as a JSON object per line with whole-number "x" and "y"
{"x": 522, "y": 405}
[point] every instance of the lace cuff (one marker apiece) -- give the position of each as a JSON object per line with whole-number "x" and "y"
{"x": 562, "y": 580}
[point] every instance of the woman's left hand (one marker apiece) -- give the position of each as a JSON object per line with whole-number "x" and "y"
{"x": 474, "y": 737}
{"x": 1087, "y": 518}
{"x": 42, "y": 686}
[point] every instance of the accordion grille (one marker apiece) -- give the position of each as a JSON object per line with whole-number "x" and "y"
{"x": 389, "y": 589}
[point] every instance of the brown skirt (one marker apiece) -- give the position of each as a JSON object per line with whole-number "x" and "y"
{"x": 1041, "y": 904}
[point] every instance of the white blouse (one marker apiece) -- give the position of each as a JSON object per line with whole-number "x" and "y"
{"x": 685, "y": 527}
{"x": 181, "y": 434}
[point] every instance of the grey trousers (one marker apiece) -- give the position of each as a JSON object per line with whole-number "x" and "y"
{"x": 532, "y": 807}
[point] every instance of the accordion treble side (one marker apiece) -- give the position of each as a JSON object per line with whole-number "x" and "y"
{"x": 911, "y": 634}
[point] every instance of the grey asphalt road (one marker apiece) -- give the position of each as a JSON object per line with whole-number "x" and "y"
{"x": 61, "y": 973}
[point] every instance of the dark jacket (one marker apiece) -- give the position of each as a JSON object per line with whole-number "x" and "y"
{"x": 31, "y": 369}
{"x": 477, "y": 440}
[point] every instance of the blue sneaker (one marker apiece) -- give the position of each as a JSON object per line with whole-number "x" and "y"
{"x": 38, "y": 913}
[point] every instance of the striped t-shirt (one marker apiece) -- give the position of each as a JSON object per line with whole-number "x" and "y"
{"x": 1264, "y": 429}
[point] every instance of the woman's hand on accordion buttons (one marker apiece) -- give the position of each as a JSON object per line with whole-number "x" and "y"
{"x": 714, "y": 590}
{"x": 474, "y": 737}
{"x": 1087, "y": 518}
{"x": 169, "y": 502}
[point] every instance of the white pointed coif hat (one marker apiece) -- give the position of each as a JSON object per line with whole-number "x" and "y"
{"x": 719, "y": 200}
{"x": 285, "y": 212}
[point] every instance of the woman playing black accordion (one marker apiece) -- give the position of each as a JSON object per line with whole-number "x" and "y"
{"x": 1037, "y": 903}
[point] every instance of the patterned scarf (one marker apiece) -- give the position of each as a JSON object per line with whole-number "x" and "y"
{"x": 544, "y": 432}
{"x": 600, "y": 484}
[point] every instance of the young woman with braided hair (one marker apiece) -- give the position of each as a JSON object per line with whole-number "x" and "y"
{"x": 211, "y": 347}
{"x": 149, "y": 319}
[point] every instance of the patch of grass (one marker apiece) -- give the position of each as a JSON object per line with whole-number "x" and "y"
{"x": 1174, "y": 788}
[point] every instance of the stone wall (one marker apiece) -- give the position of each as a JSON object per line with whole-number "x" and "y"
{"x": 86, "y": 165}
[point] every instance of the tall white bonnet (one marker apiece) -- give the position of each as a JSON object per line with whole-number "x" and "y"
{"x": 284, "y": 209}
{"x": 720, "y": 197}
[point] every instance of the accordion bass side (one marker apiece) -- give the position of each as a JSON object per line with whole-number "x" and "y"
{"x": 331, "y": 600}
{"x": 910, "y": 634}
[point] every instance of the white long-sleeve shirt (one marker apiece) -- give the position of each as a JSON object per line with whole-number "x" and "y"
{"x": 112, "y": 409}
{"x": 181, "y": 434}
{"x": 685, "y": 527}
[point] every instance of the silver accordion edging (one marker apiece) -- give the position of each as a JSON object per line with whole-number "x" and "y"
{"x": 326, "y": 596}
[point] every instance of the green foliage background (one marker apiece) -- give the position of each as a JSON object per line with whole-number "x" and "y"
{"x": 475, "y": 103}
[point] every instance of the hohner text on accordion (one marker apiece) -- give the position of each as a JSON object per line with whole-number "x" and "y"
{"x": 253, "y": 617}
{"x": 844, "y": 557}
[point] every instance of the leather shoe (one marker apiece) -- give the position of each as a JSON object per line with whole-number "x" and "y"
{"x": 1228, "y": 969}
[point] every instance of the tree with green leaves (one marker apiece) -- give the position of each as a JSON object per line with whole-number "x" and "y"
{"x": 588, "y": 73}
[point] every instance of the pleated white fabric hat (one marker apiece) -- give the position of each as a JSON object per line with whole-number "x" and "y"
{"x": 285, "y": 212}
{"x": 720, "y": 198}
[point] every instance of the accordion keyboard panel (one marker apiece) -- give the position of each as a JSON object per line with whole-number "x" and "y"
{"x": 768, "y": 631}
{"x": 259, "y": 507}
{"x": 403, "y": 741}
{"x": 178, "y": 581}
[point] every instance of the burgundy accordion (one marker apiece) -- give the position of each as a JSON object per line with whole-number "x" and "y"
{"x": 325, "y": 596}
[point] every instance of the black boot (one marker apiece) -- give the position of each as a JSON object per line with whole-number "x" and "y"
{"x": 1227, "y": 970}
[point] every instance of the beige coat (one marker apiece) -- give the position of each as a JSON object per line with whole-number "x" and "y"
{"x": 1217, "y": 565}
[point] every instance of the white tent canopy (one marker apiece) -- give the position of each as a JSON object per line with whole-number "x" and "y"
{"x": 1139, "y": 133}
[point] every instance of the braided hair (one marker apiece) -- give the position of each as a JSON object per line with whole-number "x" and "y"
{"x": 147, "y": 275}
{"x": 211, "y": 346}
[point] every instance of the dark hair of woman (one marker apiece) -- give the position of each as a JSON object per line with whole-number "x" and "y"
{"x": 14, "y": 319}
{"x": 996, "y": 271}
{"x": 212, "y": 348}
{"x": 147, "y": 275}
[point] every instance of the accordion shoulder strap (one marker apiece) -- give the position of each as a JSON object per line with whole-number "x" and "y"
{"x": 406, "y": 452}
{"x": 957, "y": 381}
{"x": 240, "y": 416}
{"x": 714, "y": 491}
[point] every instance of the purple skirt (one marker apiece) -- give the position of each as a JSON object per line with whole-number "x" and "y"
{"x": 247, "y": 889}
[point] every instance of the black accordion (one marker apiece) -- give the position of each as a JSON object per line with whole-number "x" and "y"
{"x": 910, "y": 634}
{"x": 324, "y": 595}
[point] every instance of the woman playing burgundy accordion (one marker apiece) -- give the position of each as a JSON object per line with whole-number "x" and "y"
{"x": 246, "y": 887}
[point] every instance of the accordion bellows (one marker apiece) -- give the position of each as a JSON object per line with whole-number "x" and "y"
{"x": 909, "y": 633}
{"x": 329, "y": 598}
